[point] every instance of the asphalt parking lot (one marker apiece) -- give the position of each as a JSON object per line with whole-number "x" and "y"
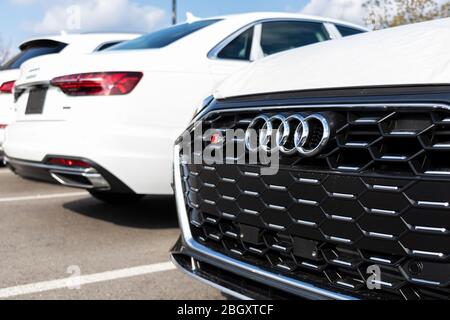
{"x": 51, "y": 235}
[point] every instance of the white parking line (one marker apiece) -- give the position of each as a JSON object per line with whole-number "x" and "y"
{"x": 43, "y": 197}
{"x": 68, "y": 283}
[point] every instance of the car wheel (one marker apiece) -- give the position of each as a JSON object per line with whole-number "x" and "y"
{"x": 116, "y": 198}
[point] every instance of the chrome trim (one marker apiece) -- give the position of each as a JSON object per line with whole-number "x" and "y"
{"x": 445, "y": 173}
{"x": 383, "y": 212}
{"x": 356, "y": 144}
{"x": 307, "y": 223}
{"x": 345, "y": 168}
{"x": 432, "y": 106}
{"x": 271, "y": 134}
{"x": 197, "y": 247}
{"x": 433, "y": 204}
{"x": 381, "y": 260}
{"x": 345, "y": 284}
{"x": 430, "y": 229}
{"x": 97, "y": 181}
{"x": 344, "y": 263}
{"x": 277, "y": 227}
{"x": 403, "y": 133}
{"x": 343, "y": 196}
{"x": 426, "y": 282}
{"x": 341, "y": 218}
{"x": 277, "y": 188}
{"x": 309, "y": 181}
{"x": 385, "y": 188}
{"x": 308, "y": 202}
{"x": 210, "y": 283}
{"x": 252, "y": 212}
{"x": 366, "y": 120}
{"x": 381, "y": 235}
{"x": 342, "y": 240}
{"x": 394, "y": 157}
{"x": 426, "y": 253}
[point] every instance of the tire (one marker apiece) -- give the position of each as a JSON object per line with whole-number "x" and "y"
{"x": 116, "y": 198}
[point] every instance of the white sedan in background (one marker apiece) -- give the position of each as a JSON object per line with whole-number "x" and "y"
{"x": 106, "y": 122}
{"x": 63, "y": 44}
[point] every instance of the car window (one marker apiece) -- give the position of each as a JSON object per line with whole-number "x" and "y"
{"x": 279, "y": 36}
{"x": 164, "y": 37}
{"x": 348, "y": 31}
{"x": 32, "y": 50}
{"x": 240, "y": 48}
{"x": 107, "y": 45}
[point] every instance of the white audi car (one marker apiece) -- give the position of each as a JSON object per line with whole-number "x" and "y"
{"x": 63, "y": 44}
{"x": 106, "y": 122}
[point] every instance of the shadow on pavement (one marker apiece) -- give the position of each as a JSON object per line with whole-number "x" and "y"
{"x": 149, "y": 213}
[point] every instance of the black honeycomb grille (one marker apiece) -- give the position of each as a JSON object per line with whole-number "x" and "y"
{"x": 378, "y": 195}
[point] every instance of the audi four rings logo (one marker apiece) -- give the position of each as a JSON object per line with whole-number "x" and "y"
{"x": 306, "y": 135}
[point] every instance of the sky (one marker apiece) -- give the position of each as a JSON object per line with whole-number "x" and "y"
{"x": 22, "y": 19}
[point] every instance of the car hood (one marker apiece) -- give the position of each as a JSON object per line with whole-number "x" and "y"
{"x": 45, "y": 68}
{"x": 408, "y": 55}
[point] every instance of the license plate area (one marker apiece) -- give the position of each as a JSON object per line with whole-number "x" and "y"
{"x": 36, "y": 100}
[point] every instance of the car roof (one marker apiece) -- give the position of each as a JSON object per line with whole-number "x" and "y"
{"x": 415, "y": 54}
{"x": 254, "y": 16}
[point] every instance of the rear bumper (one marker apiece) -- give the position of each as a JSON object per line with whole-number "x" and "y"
{"x": 138, "y": 157}
{"x": 93, "y": 178}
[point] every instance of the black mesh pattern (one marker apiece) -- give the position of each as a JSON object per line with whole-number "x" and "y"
{"x": 378, "y": 195}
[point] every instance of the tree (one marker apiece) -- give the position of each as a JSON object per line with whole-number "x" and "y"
{"x": 391, "y": 13}
{"x": 5, "y": 51}
{"x": 445, "y": 10}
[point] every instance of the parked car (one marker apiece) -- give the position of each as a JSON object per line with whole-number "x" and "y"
{"x": 63, "y": 44}
{"x": 358, "y": 207}
{"x": 107, "y": 123}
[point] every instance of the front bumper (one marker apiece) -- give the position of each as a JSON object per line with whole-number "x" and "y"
{"x": 229, "y": 275}
{"x": 93, "y": 178}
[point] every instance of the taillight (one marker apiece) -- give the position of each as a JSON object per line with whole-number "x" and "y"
{"x": 7, "y": 87}
{"x": 3, "y": 126}
{"x": 71, "y": 163}
{"x": 98, "y": 84}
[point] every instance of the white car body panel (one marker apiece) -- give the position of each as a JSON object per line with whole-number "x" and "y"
{"x": 408, "y": 55}
{"x": 130, "y": 136}
{"x": 76, "y": 44}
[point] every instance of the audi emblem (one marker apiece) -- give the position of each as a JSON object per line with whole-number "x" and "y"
{"x": 305, "y": 135}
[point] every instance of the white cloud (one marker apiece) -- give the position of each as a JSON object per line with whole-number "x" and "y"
{"x": 348, "y": 10}
{"x": 98, "y": 15}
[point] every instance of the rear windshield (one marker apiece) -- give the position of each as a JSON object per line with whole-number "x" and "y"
{"x": 32, "y": 50}
{"x": 164, "y": 37}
